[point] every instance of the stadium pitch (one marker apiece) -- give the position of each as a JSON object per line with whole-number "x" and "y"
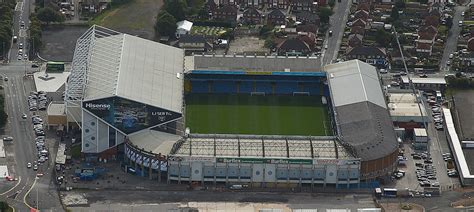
{"x": 259, "y": 115}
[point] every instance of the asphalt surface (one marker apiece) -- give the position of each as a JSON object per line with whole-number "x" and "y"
{"x": 22, "y": 150}
{"x": 337, "y": 25}
{"x": 452, "y": 40}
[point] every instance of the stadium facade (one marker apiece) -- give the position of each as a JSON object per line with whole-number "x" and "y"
{"x": 129, "y": 97}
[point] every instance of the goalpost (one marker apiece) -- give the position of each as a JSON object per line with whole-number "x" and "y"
{"x": 301, "y": 94}
{"x": 257, "y": 93}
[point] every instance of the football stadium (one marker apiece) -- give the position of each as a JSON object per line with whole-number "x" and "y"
{"x": 249, "y": 120}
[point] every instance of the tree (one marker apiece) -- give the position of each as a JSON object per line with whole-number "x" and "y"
{"x": 331, "y": 3}
{"x": 394, "y": 15}
{"x": 4, "y": 206}
{"x": 324, "y": 14}
{"x": 177, "y": 8}
{"x": 165, "y": 24}
{"x": 49, "y": 15}
{"x": 400, "y": 4}
{"x": 383, "y": 38}
{"x": 265, "y": 30}
{"x": 270, "y": 42}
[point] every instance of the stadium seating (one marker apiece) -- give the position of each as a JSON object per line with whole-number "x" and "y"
{"x": 264, "y": 87}
{"x": 224, "y": 87}
{"x": 246, "y": 87}
{"x": 286, "y": 87}
{"x": 200, "y": 87}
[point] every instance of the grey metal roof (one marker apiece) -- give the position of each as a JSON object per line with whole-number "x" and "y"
{"x": 368, "y": 128}
{"x": 354, "y": 81}
{"x": 137, "y": 69}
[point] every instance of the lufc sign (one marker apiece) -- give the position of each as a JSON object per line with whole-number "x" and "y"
{"x": 129, "y": 116}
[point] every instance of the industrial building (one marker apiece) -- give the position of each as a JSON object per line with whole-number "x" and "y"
{"x": 126, "y": 94}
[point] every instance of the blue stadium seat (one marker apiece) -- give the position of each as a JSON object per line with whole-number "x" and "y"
{"x": 246, "y": 87}
{"x": 286, "y": 87}
{"x": 199, "y": 87}
{"x": 312, "y": 88}
{"x": 264, "y": 87}
{"x": 224, "y": 87}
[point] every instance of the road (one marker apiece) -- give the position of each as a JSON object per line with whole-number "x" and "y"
{"x": 452, "y": 39}
{"x": 337, "y": 24}
{"x": 22, "y": 149}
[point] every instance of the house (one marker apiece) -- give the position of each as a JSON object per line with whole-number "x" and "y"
{"x": 358, "y": 30}
{"x": 424, "y": 48}
{"x": 183, "y": 28}
{"x": 227, "y": 2}
{"x": 470, "y": 44}
{"x": 306, "y": 17}
{"x": 252, "y": 16}
{"x": 276, "y": 4}
{"x": 226, "y": 13}
{"x": 363, "y": 6}
{"x": 307, "y": 28}
{"x": 193, "y": 44}
{"x": 384, "y": 8}
{"x": 210, "y": 6}
{"x": 303, "y": 5}
{"x": 467, "y": 60}
{"x": 432, "y": 20}
{"x": 370, "y": 54}
{"x": 293, "y": 47}
{"x": 427, "y": 34}
{"x": 361, "y": 14}
{"x": 355, "y": 40}
{"x": 250, "y": 3}
{"x": 359, "y": 22}
{"x": 309, "y": 38}
{"x": 276, "y": 17}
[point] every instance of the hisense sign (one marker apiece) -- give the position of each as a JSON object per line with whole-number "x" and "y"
{"x": 97, "y": 106}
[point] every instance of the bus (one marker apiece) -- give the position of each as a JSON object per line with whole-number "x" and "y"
{"x": 390, "y": 192}
{"x": 55, "y": 67}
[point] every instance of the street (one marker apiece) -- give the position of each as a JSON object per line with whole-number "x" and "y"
{"x": 452, "y": 39}
{"x": 22, "y": 194}
{"x": 337, "y": 24}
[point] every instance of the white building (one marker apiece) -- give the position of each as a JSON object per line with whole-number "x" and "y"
{"x": 183, "y": 28}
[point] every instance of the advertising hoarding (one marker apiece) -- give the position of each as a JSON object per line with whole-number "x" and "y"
{"x": 129, "y": 116}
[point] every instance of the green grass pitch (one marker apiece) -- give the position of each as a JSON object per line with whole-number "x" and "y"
{"x": 259, "y": 115}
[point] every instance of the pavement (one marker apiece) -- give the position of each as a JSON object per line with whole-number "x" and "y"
{"x": 337, "y": 25}
{"x": 451, "y": 43}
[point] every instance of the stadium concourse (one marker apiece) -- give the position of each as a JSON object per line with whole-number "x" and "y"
{"x": 203, "y": 119}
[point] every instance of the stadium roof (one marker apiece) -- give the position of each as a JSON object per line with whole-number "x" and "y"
{"x": 354, "y": 81}
{"x": 253, "y": 63}
{"x": 154, "y": 141}
{"x": 127, "y": 66}
{"x": 362, "y": 118}
{"x": 262, "y": 147}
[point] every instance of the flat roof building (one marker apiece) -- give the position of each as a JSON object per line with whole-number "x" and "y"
{"x": 406, "y": 111}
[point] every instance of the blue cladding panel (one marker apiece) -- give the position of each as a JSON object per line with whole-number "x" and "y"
{"x": 282, "y": 174}
{"x": 319, "y": 174}
{"x": 185, "y": 171}
{"x": 232, "y": 172}
{"x": 307, "y": 174}
{"x": 208, "y": 171}
{"x": 294, "y": 174}
{"x": 173, "y": 170}
{"x": 342, "y": 174}
{"x": 245, "y": 172}
{"x": 220, "y": 172}
{"x": 224, "y": 87}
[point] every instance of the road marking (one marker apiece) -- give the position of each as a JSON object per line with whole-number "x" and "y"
{"x": 28, "y": 192}
{"x": 19, "y": 181}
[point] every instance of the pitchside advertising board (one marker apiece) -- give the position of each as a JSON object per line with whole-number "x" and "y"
{"x": 129, "y": 116}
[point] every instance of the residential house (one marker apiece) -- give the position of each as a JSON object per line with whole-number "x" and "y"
{"x": 467, "y": 61}
{"x": 252, "y": 16}
{"x": 307, "y": 28}
{"x": 427, "y": 34}
{"x": 432, "y": 20}
{"x": 355, "y": 40}
{"x": 251, "y": 3}
{"x": 211, "y": 6}
{"x": 93, "y": 6}
{"x": 276, "y": 17}
{"x": 470, "y": 44}
{"x": 226, "y": 13}
{"x": 424, "y": 48}
{"x": 292, "y": 47}
{"x": 309, "y": 38}
{"x": 183, "y": 28}
{"x": 363, "y": 6}
{"x": 306, "y": 17}
{"x": 276, "y": 4}
{"x": 383, "y": 8}
{"x": 357, "y": 30}
{"x": 193, "y": 44}
{"x": 359, "y": 22}
{"x": 303, "y": 5}
{"x": 361, "y": 14}
{"x": 370, "y": 54}
{"x": 227, "y": 2}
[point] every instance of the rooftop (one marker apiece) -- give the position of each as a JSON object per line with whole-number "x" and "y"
{"x": 155, "y": 141}
{"x": 184, "y": 25}
{"x": 51, "y": 82}
{"x": 420, "y": 132}
{"x": 354, "y": 81}
{"x": 431, "y": 80}
{"x": 252, "y": 63}
{"x": 129, "y": 67}
{"x": 301, "y": 147}
{"x": 56, "y": 109}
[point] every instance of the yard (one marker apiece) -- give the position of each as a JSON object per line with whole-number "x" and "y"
{"x": 135, "y": 18}
{"x": 208, "y": 30}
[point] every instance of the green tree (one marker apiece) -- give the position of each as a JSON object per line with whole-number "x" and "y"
{"x": 331, "y": 3}
{"x": 270, "y": 42}
{"x": 265, "y": 30}
{"x": 3, "y": 121}
{"x": 48, "y": 15}
{"x": 394, "y": 15}
{"x": 400, "y": 4}
{"x": 324, "y": 14}
{"x": 383, "y": 38}
{"x": 165, "y": 24}
{"x": 177, "y": 8}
